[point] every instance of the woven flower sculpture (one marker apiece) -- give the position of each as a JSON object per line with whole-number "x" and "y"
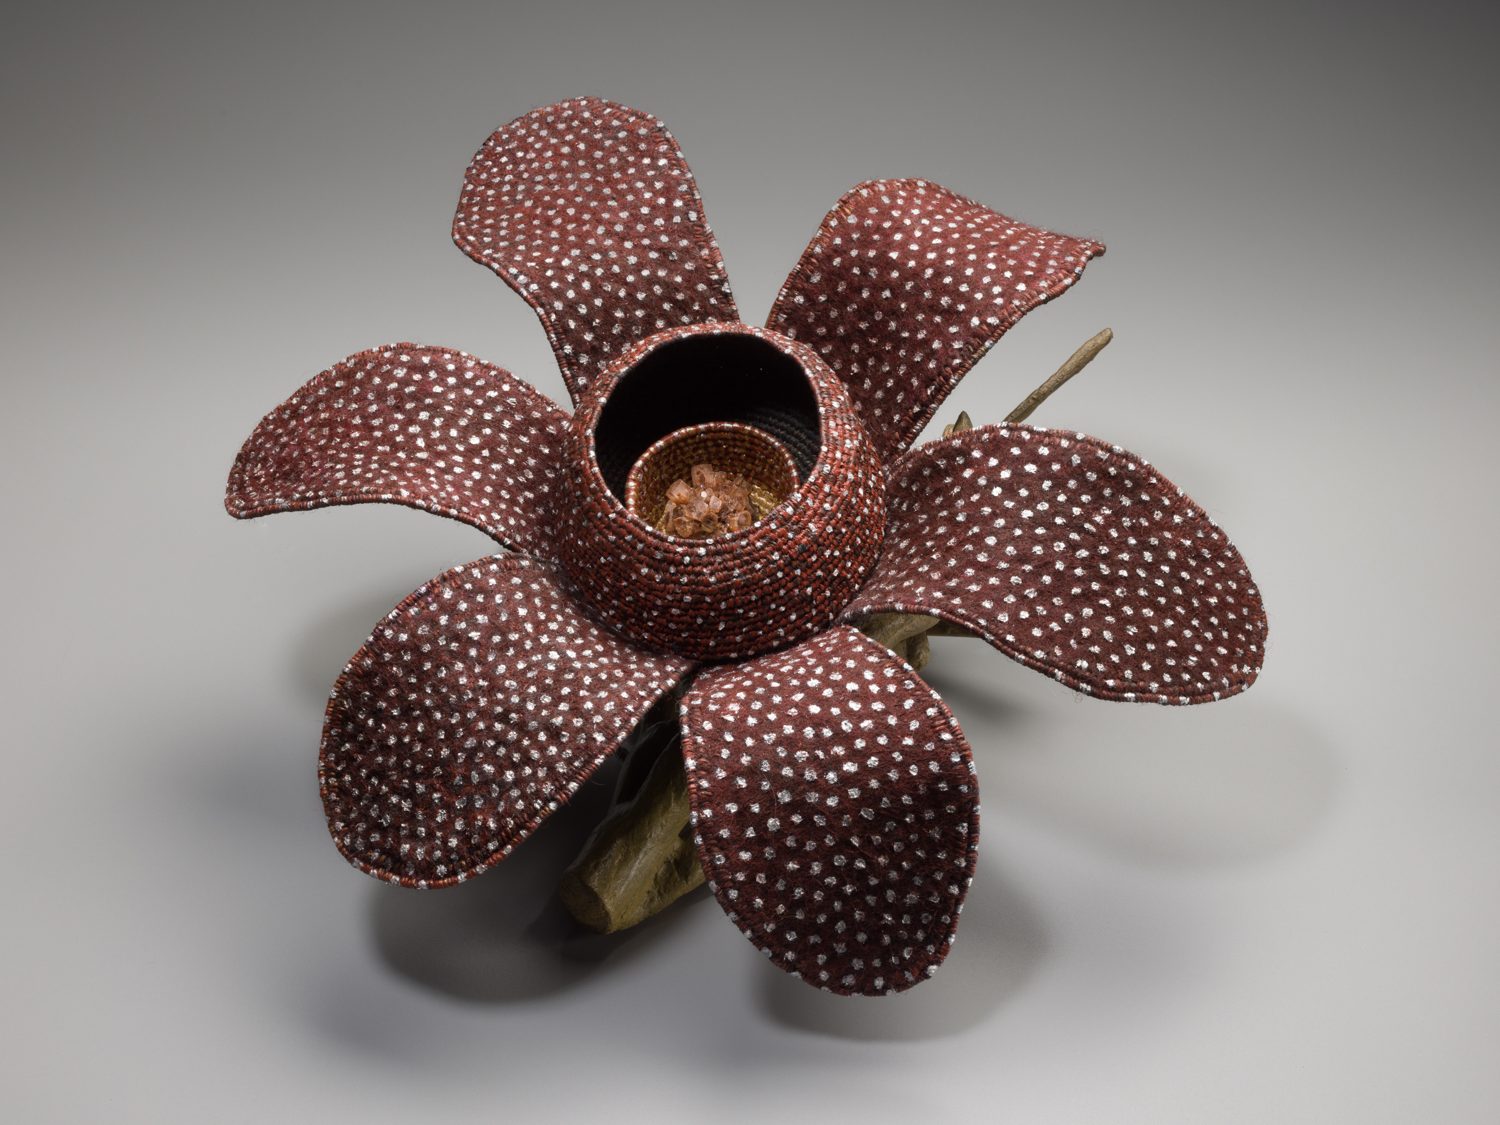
{"x": 834, "y": 805}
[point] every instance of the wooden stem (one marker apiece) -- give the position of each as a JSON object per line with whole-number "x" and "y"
{"x": 892, "y": 629}
{"x": 948, "y": 629}
{"x": 962, "y": 424}
{"x": 641, "y": 858}
{"x": 1075, "y": 363}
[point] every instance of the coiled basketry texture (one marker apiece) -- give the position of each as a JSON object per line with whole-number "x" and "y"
{"x": 746, "y": 592}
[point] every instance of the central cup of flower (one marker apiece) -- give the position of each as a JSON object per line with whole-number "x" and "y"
{"x": 709, "y": 480}
{"x": 721, "y": 498}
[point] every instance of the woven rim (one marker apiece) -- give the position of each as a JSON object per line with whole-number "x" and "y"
{"x": 730, "y": 447}
{"x": 766, "y": 586}
{"x": 837, "y": 422}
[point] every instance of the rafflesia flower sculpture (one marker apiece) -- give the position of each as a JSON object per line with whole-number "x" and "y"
{"x": 833, "y": 803}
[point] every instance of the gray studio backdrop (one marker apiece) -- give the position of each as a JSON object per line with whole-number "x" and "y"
{"x": 1280, "y": 908}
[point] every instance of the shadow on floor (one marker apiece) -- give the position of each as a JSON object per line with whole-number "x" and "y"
{"x": 1001, "y": 942}
{"x": 1200, "y": 787}
{"x": 504, "y": 936}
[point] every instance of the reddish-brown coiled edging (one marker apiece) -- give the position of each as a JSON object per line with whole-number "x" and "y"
{"x": 736, "y": 595}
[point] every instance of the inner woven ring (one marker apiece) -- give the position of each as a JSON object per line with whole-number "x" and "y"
{"x": 730, "y": 447}
{"x": 727, "y": 376}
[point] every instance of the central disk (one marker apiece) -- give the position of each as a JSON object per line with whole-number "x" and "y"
{"x": 727, "y": 501}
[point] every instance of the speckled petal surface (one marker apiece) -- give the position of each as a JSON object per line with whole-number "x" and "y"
{"x": 588, "y": 210}
{"x": 426, "y": 427}
{"x": 835, "y": 810}
{"x": 476, "y": 708}
{"x": 906, "y": 285}
{"x": 1074, "y": 557}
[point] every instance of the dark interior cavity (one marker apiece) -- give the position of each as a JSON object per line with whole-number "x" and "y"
{"x": 728, "y": 378}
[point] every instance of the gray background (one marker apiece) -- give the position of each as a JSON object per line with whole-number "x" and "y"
{"x": 1280, "y": 908}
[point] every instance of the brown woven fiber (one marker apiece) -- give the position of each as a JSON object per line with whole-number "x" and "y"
{"x": 904, "y": 288}
{"x": 834, "y": 805}
{"x": 747, "y": 592}
{"x": 587, "y": 207}
{"x": 729, "y": 447}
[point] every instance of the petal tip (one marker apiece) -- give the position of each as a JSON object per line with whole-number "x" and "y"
{"x": 843, "y": 849}
{"x": 1076, "y": 558}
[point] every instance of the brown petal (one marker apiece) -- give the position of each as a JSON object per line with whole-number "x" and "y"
{"x": 588, "y": 210}
{"x": 1073, "y": 557}
{"x": 476, "y": 708}
{"x": 835, "y": 810}
{"x": 906, "y": 285}
{"x": 429, "y": 428}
